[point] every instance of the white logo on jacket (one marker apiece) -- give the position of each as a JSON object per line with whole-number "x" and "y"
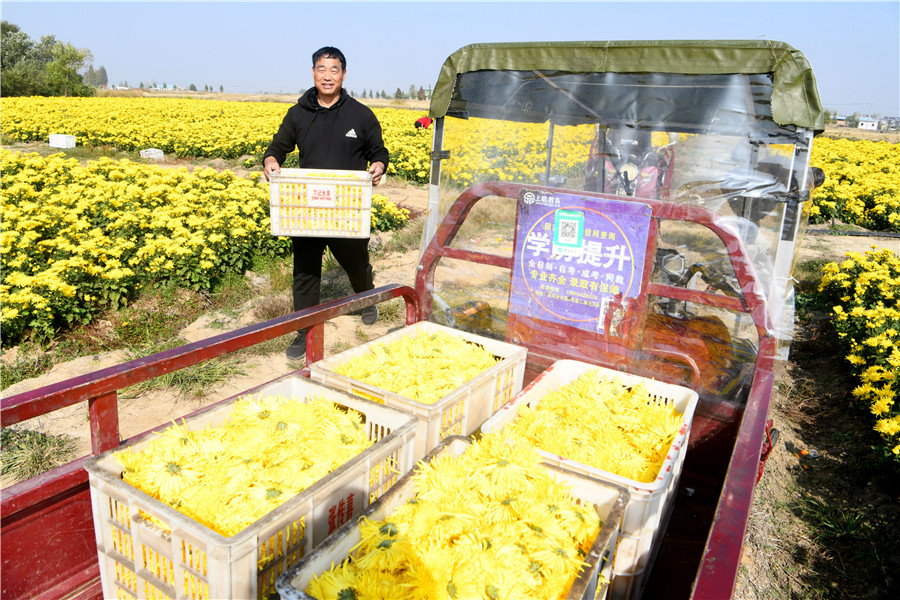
{"x": 351, "y": 133}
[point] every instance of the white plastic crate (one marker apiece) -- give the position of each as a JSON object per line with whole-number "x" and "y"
{"x": 152, "y": 153}
{"x": 460, "y": 412}
{"x": 139, "y": 559}
{"x": 608, "y": 499}
{"x": 60, "y": 140}
{"x": 651, "y": 504}
{"x": 321, "y": 203}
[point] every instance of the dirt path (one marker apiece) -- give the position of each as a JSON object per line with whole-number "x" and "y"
{"x": 825, "y": 518}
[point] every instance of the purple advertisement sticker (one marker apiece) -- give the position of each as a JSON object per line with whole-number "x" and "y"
{"x": 574, "y": 254}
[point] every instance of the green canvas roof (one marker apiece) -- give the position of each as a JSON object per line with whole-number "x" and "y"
{"x": 794, "y": 95}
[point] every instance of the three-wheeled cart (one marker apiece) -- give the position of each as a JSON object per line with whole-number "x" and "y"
{"x": 631, "y": 205}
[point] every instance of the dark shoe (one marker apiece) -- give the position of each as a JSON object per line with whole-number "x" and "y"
{"x": 370, "y": 315}
{"x": 297, "y": 349}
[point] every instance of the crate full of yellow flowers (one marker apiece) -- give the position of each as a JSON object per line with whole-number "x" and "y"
{"x": 219, "y": 504}
{"x": 610, "y": 426}
{"x": 475, "y": 519}
{"x": 320, "y": 203}
{"x": 450, "y": 380}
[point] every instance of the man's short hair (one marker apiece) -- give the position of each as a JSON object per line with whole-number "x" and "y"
{"x": 329, "y": 52}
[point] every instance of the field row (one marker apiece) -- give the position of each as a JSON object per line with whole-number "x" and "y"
{"x": 862, "y": 293}
{"x": 221, "y": 129}
{"x": 190, "y": 128}
{"x": 862, "y": 183}
{"x": 78, "y": 239}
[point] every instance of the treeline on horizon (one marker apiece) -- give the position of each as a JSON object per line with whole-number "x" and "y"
{"x": 50, "y": 67}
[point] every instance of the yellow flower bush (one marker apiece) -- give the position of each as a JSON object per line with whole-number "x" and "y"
{"x": 410, "y": 147}
{"x": 862, "y": 183}
{"x": 863, "y": 290}
{"x": 387, "y": 216}
{"x": 77, "y": 239}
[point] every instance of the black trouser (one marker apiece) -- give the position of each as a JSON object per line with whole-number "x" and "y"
{"x": 351, "y": 253}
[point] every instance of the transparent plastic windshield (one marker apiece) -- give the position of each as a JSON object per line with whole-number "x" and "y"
{"x": 661, "y": 212}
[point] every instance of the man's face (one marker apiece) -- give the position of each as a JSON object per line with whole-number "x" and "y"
{"x": 328, "y": 76}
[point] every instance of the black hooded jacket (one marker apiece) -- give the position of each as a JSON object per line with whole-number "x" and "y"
{"x": 346, "y": 135}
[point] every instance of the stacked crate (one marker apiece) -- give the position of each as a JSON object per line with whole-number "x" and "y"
{"x": 147, "y": 549}
{"x": 651, "y": 503}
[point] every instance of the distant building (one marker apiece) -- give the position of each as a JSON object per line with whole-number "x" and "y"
{"x": 868, "y": 123}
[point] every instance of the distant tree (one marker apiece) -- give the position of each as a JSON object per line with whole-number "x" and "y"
{"x": 141, "y": 85}
{"x": 853, "y": 120}
{"x": 364, "y": 94}
{"x": 43, "y": 50}
{"x": 352, "y": 94}
{"x": 192, "y": 87}
{"x": 23, "y": 63}
{"x": 384, "y": 94}
{"x": 164, "y": 85}
{"x": 16, "y": 45}
{"x": 25, "y": 79}
{"x": 90, "y": 77}
{"x": 102, "y": 78}
{"x": 398, "y": 94}
{"x": 221, "y": 89}
{"x": 62, "y": 71}
{"x": 421, "y": 94}
{"x": 371, "y": 95}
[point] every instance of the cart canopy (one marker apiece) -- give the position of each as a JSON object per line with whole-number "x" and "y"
{"x": 695, "y": 86}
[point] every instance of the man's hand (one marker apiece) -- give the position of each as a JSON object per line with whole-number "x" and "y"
{"x": 377, "y": 170}
{"x": 270, "y": 165}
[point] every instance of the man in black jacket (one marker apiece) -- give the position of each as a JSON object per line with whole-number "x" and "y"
{"x": 331, "y": 131}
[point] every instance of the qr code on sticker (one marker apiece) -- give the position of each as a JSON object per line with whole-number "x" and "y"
{"x": 568, "y": 232}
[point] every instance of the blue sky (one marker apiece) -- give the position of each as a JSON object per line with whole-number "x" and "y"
{"x": 854, "y": 47}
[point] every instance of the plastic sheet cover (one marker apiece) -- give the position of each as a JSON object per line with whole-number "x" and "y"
{"x": 599, "y": 214}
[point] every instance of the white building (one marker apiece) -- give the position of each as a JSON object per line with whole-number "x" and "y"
{"x": 868, "y": 123}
